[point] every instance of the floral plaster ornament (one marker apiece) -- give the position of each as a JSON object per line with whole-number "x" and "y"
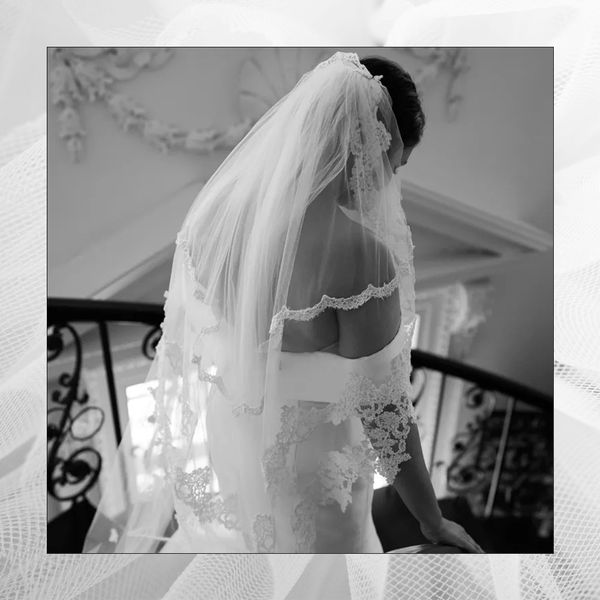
{"x": 80, "y": 75}
{"x": 270, "y": 73}
{"x": 438, "y": 60}
{"x": 72, "y": 131}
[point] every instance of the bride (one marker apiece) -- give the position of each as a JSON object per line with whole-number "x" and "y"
{"x": 283, "y": 367}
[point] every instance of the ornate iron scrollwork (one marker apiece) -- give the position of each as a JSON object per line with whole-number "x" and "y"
{"x": 150, "y": 342}
{"x": 503, "y": 460}
{"x": 418, "y": 381}
{"x": 72, "y": 476}
{"x": 470, "y": 470}
{"x": 80, "y": 75}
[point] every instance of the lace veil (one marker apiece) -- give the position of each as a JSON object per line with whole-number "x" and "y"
{"x": 301, "y": 220}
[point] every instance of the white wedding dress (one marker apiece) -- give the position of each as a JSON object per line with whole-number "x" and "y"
{"x": 329, "y": 511}
{"x": 261, "y": 444}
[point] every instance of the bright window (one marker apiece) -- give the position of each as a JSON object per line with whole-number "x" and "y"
{"x": 140, "y": 405}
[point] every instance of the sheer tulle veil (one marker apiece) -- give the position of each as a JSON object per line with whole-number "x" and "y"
{"x": 311, "y": 184}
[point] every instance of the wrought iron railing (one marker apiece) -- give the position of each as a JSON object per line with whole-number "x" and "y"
{"x": 79, "y": 470}
{"x": 502, "y": 460}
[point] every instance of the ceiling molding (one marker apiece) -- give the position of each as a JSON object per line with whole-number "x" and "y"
{"x": 480, "y": 243}
{"x": 470, "y": 224}
{"x": 488, "y": 241}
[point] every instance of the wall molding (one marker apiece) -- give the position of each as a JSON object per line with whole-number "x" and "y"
{"x": 489, "y": 241}
{"x": 486, "y": 241}
{"x": 470, "y": 223}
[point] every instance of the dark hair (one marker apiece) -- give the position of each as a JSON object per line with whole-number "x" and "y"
{"x": 406, "y": 102}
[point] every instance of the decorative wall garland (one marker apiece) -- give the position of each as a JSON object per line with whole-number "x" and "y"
{"x": 453, "y": 60}
{"x": 81, "y": 75}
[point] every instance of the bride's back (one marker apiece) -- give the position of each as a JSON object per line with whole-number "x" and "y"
{"x": 329, "y": 262}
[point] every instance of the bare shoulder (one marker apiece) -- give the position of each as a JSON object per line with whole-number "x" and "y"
{"x": 371, "y": 324}
{"x": 360, "y": 261}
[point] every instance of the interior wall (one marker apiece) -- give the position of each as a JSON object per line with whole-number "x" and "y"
{"x": 517, "y": 339}
{"x": 497, "y": 155}
{"x": 120, "y": 177}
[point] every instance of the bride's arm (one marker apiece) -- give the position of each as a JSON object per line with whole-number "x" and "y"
{"x": 414, "y": 484}
{"x": 364, "y": 331}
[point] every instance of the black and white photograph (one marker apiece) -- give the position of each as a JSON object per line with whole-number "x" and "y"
{"x": 297, "y": 297}
{"x": 300, "y": 300}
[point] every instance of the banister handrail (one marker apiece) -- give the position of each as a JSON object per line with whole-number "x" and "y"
{"x": 485, "y": 379}
{"x": 81, "y": 309}
{"x": 465, "y": 474}
{"x": 84, "y": 310}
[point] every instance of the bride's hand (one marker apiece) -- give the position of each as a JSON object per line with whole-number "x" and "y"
{"x": 449, "y": 532}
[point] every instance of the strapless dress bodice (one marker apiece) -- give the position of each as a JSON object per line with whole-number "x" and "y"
{"x": 321, "y": 376}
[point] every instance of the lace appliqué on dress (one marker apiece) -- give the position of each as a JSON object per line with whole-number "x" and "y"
{"x": 263, "y": 528}
{"x": 197, "y": 503}
{"x": 193, "y": 490}
{"x": 304, "y": 525}
{"x": 386, "y": 413}
{"x": 297, "y": 423}
{"x": 338, "y": 471}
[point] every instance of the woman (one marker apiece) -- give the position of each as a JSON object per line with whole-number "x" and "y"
{"x": 283, "y": 368}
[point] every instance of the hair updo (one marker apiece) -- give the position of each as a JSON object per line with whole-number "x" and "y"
{"x": 406, "y": 102}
